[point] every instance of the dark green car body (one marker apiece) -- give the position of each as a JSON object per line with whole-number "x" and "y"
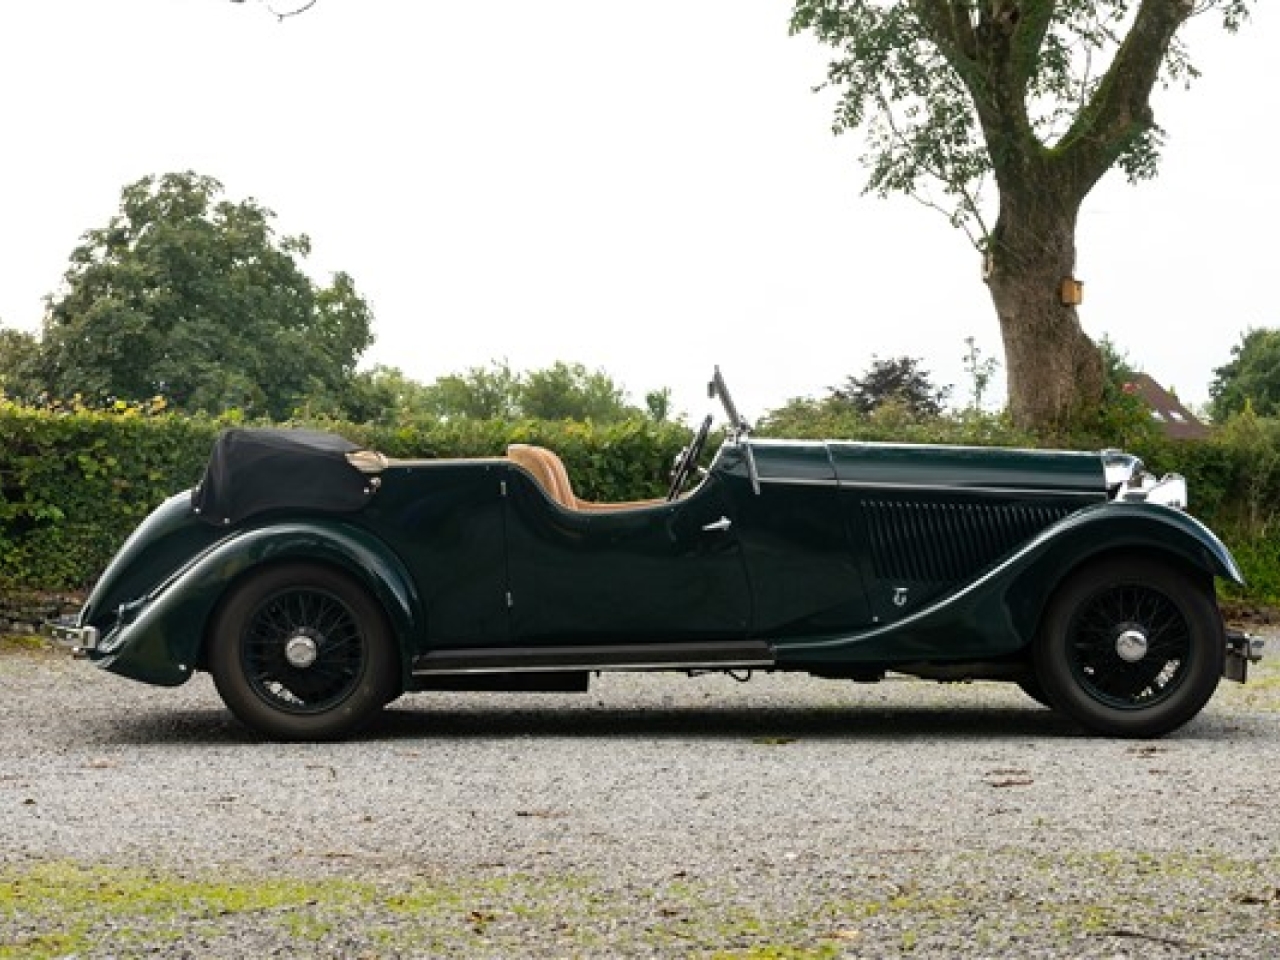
{"x": 317, "y": 582}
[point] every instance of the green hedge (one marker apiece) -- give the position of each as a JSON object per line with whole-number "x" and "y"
{"x": 73, "y": 484}
{"x": 1234, "y": 484}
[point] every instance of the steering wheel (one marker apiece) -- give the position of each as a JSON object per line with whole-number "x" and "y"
{"x": 687, "y": 459}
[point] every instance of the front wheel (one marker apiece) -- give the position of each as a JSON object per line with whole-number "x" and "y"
{"x": 302, "y": 652}
{"x": 1131, "y": 647}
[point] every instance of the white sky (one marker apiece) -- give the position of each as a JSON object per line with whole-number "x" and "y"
{"x": 651, "y": 188}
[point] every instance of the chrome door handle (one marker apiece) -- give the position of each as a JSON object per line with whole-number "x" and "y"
{"x": 718, "y": 526}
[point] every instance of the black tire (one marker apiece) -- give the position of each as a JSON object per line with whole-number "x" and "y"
{"x": 302, "y": 652}
{"x": 1131, "y": 647}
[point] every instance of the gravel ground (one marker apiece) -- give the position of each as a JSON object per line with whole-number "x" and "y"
{"x": 656, "y": 816}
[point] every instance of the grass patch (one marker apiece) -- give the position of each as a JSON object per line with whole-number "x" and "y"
{"x": 1008, "y": 902}
{"x": 1262, "y": 690}
{"x": 826, "y": 952}
{"x": 57, "y": 909}
{"x": 30, "y": 643}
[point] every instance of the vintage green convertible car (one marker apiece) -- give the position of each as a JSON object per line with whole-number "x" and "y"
{"x": 317, "y": 582}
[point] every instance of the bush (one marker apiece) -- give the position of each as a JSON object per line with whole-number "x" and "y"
{"x": 831, "y": 418}
{"x": 75, "y": 482}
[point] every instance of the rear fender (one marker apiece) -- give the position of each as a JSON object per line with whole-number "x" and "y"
{"x": 160, "y": 638}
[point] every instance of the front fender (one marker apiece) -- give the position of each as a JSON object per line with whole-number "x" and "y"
{"x": 998, "y": 613}
{"x": 159, "y": 639}
{"x": 1111, "y": 528}
{"x": 1156, "y": 527}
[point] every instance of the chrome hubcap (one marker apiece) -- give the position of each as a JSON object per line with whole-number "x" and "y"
{"x": 1131, "y": 645}
{"x": 301, "y": 651}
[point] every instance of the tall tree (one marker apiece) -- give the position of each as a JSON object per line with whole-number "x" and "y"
{"x": 1251, "y": 378}
{"x": 196, "y": 298}
{"x": 955, "y": 93}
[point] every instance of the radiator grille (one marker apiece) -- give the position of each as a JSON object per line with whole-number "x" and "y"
{"x": 947, "y": 542}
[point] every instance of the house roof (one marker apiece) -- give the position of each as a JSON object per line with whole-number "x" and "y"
{"x": 1175, "y": 419}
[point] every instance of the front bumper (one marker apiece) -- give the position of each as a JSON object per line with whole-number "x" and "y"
{"x": 81, "y": 640}
{"x": 1242, "y": 650}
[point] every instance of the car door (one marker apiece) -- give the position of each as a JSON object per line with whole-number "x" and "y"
{"x": 445, "y": 520}
{"x": 805, "y": 576}
{"x": 663, "y": 573}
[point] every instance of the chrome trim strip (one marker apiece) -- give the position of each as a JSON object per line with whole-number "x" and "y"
{"x": 801, "y": 482}
{"x": 1091, "y": 495}
{"x": 1095, "y": 495}
{"x": 713, "y": 655}
{"x": 597, "y": 667}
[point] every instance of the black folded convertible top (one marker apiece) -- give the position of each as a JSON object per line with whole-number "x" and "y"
{"x": 254, "y": 470}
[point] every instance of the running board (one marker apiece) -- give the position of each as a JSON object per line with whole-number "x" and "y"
{"x": 722, "y": 655}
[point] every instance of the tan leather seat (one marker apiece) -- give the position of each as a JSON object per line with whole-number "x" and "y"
{"x": 549, "y": 470}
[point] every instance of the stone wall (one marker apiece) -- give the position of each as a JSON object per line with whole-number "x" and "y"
{"x": 27, "y": 611}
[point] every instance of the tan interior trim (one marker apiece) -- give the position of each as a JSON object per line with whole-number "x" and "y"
{"x": 550, "y": 473}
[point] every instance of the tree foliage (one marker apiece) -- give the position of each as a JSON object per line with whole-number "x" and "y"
{"x": 951, "y": 93}
{"x": 562, "y": 391}
{"x": 480, "y": 393}
{"x": 194, "y": 297}
{"x": 569, "y": 391}
{"x": 1040, "y": 98}
{"x": 894, "y": 399}
{"x": 1250, "y": 379}
{"x": 20, "y": 365}
{"x": 896, "y": 380}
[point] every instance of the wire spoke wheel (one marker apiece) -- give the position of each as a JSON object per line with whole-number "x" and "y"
{"x": 303, "y": 650}
{"x": 1131, "y": 646}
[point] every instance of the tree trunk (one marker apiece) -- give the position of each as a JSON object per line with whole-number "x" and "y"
{"x": 1054, "y": 370}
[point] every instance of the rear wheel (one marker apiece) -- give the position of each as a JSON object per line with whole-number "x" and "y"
{"x": 1131, "y": 647}
{"x": 302, "y": 652}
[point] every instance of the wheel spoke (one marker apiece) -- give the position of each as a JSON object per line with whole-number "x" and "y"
{"x": 1115, "y": 620}
{"x": 319, "y": 618}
